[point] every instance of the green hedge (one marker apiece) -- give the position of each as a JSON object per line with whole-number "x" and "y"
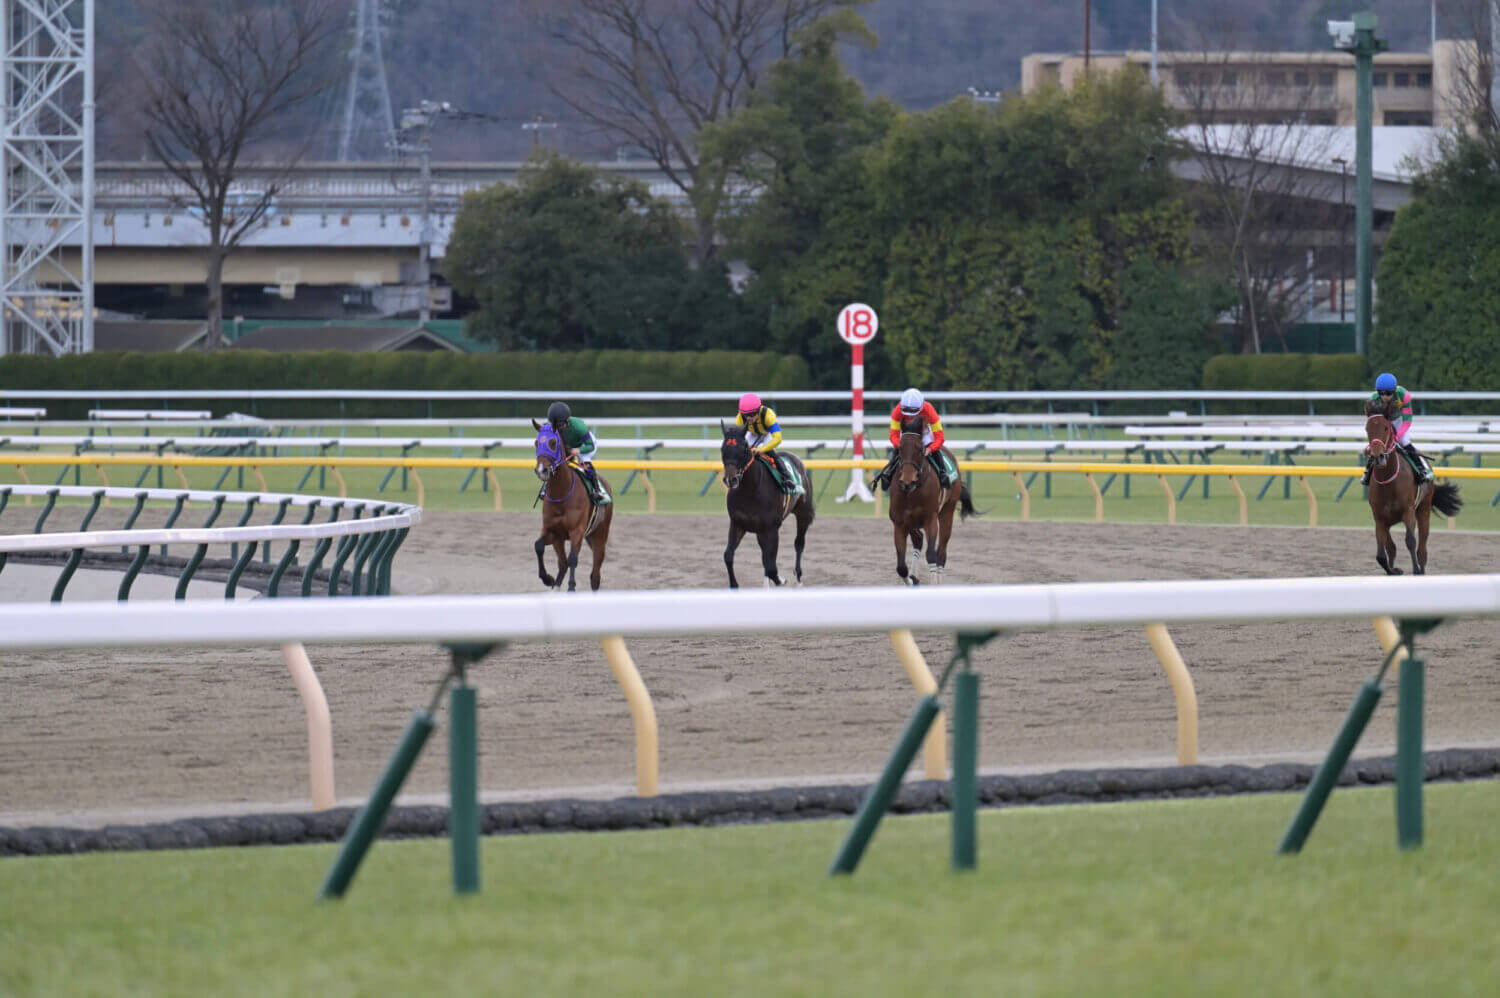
{"x": 1284, "y": 372}
{"x": 601, "y": 370}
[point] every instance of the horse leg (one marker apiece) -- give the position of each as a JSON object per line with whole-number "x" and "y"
{"x": 933, "y": 568}
{"x": 736, "y": 532}
{"x": 1424, "y": 521}
{"x": 574, "y": 543}
{"x": 803, "y": 522}
{"x": 1385, "y": 549}
{"x": 901, "y": 570}
{"x": 916, "y": 544}
{"x": 541, "y": 565}
{"x": 770, "y": 542}
{"x": 1410, "y": 522}
{"x": 945, "y": 528}
{"x": 562, "y": 560}
{"x": 597, "y": 541}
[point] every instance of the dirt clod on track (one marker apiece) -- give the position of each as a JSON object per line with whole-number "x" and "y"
{"x": 145, "y": 729}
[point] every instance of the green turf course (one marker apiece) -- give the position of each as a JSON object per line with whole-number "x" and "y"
{"x": 1159, "y": 898}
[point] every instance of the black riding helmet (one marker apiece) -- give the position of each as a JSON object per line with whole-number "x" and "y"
{"x": 558, "y": 413}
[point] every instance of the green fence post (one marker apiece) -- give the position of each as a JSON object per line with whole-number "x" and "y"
{"x": 1328, "y": 773}
{"x": 1410, "y": 770}
{"x": 463, "y": 787}
{"x": 965, "y": 784}
{"x": 366, "y": 824}
{"x": 878, "y": 800}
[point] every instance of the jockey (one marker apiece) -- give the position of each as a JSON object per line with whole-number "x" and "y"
{"x": 763, "y": 434}
{"x": 578, "y": 444}
{"x": 912, "y": 404}
{"x": 1396, "y": 402}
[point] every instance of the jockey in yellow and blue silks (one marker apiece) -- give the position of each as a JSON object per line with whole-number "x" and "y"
{"x": 1396, "y": 402}
{"x": 579, "y": 444}
{"x": 763, "y": 434}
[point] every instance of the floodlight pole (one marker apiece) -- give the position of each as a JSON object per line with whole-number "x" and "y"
{"x": 1363, "y": 48}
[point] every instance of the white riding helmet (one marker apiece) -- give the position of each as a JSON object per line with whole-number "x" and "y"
{"x": 911, "y": 401}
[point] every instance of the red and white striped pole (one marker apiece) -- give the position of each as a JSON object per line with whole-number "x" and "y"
{"x": 857, "y": 326}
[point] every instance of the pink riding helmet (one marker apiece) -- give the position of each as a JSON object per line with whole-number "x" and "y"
{"x": 749, "y": 403}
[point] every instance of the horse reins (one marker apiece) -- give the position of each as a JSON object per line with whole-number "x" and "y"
{"x": 1386, "y": 448}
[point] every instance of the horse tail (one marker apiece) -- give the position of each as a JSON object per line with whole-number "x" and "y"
{"x": 966, "y": 503}
{"x": 1445, "y": 499}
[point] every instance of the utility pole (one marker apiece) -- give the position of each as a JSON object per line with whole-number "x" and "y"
{"x": 1153, "y": 43}
{"x": 1343, "y": 229}
{"x": 417, "y": 122}
{"x": 1087, "y": 41}
{"x": 1357, "y": 37}
{"x": 535, "y": 128}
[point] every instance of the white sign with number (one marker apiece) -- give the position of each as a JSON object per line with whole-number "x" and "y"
{"x": 858, "y": 324}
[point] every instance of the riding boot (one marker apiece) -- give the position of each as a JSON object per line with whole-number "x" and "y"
{"x": 788, "y": 479}
{"x": 596, "y": 490}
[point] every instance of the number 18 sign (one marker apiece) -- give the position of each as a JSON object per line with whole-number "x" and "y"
{"x": 858, "y": 324}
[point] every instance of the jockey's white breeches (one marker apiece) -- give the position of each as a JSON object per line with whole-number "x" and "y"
{"x": 756, "y": 439}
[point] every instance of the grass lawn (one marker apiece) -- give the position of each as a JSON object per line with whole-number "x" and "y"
{"x": 1182, "y": 897}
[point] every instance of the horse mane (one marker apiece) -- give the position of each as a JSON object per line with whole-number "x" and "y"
{"x": 1374, "y": 407}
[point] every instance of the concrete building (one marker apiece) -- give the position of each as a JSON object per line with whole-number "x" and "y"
{"x": 1313, "y": 88}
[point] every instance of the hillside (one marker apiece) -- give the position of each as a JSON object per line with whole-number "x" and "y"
{"x": 487, "y": 57}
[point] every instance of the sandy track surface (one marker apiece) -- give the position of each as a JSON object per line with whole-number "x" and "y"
{"x": 149, "y": 731}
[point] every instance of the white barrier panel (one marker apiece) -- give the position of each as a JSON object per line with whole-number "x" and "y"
{"x": 433, "y": 619}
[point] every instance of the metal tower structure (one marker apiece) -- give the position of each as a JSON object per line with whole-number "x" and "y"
{"x": 369, "y": 126}
{"x": 47, "y": 176}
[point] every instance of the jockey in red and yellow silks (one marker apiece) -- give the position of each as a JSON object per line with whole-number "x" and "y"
{"x": 911, "y": 406}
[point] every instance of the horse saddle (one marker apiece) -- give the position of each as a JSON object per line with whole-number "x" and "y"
{"x": 788, "y": 482}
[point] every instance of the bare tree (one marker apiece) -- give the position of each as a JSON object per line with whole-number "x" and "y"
{"x": 1262, "y": 152}
{"x": 220, "y": 81}
{"x": 651, "y": 73}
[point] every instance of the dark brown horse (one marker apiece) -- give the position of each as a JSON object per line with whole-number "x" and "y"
{"x": 920, "y": 505}
{"x": 569, "y": 517}
{"x": 757, "y": 505}
{"x": 1397, "y": 497}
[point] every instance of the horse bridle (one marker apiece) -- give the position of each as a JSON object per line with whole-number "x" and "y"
{"x": 739, "y": 475}
{"x": 552, "y": 467}
{"x": 919, "y": 463}
{"x": 1387, "y": 446}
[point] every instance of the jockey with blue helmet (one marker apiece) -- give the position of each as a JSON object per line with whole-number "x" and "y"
{"x": 1395, "y": 401}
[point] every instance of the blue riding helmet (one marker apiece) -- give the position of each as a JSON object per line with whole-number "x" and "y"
{"x": 1385, "y": 383}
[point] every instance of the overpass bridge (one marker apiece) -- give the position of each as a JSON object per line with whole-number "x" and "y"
{"x": 332, "y": 224}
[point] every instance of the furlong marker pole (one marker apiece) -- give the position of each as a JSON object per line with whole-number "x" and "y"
{"x": 857, "y": 488}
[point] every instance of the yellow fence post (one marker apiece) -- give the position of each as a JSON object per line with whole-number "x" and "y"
{"x": 259, "y": 478}
{"x": 319, "y": 726}
{"x": 641, "y": 712}
{"x": 1025, "y": 495}
{"x": 1098, "y": 497}
{"x": 181, "y": 478}
{"x": 650, "y": 492}
{"x": 1171, "y": 499}
{"x": 343, "y": 488}
{"x": 421, "y": 491}
{"x": 1239, "y": 494}
{"x": 1182, "y": 688}
{"x": 935, "y": 745}
{"x": 1389, "y": 637}
{"x": 494, "y": 483}
{"x": 1312, "y": 502}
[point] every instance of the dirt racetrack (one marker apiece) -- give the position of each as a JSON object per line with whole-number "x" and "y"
{"x": 144, "y": 733}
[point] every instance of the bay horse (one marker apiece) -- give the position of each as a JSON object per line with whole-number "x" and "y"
{"x": 921, "y": 506}
{"x": 757, "y": 505}
{"x": 1396, "y": 496}
{"x": 569, "y": 516}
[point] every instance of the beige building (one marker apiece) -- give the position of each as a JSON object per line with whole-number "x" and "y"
{"x": 1315, "y": 88}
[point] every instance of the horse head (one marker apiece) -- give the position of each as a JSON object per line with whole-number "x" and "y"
{"x": 911, "y": 462}
{"x": 550, "y": 454}
{"x": 1379, "y": 435}
{"x": 734, "y": 453}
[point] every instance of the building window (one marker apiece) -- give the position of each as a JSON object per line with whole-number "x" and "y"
{"x": 1184, "y": 78}
{"x": 1299, "y": 79}
{"x": 1231, "y": 79}
{"x": 1275, "y": 78}
{"x": 1412, "y": 119}
{"x": 1424, "y": 79}
{"x": 1377, "y": 79}
{"x": 1403, "y": 79}
{"x": 1325, "y": 78}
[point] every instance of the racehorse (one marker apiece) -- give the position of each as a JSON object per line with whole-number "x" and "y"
{"x": 758, "y": 506}
{"x": 1396, "y": 496}
{"x": 919, "y": 504}
{"x": 569, "y": 516}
